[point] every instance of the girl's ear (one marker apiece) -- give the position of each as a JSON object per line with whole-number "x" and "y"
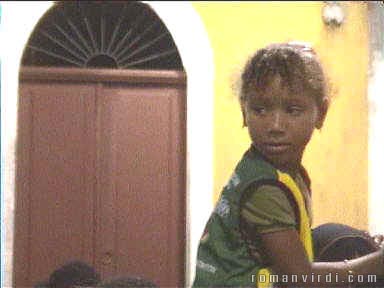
{"x": 323, "y": 109}
{"x": 243, "y": 113}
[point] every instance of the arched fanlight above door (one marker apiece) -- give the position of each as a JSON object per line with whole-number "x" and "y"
{"x": 102, "y": 34}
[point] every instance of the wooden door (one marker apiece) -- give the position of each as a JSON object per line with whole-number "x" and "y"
{"x": 101, "y": 174}
{"x": 55, "y": 178}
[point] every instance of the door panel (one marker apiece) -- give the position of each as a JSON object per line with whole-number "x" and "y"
{"x": 58, "y": 212}
{"x": 144, "y": 128}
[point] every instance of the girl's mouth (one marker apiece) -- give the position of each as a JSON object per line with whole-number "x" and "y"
{"x": 276, "y": 148}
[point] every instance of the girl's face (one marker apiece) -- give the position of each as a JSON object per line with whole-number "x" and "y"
{"x": 280, "y": 123}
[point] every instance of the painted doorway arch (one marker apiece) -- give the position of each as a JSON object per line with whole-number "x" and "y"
{"x": 193, "y": 44}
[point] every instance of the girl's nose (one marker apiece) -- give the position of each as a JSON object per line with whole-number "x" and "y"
{"x": 277, "y": 122}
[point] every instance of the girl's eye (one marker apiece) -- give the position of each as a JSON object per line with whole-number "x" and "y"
{"x": 294, "y": 110}
{"x": 259, "y": 109}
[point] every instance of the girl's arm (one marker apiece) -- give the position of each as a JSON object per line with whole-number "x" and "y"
{"x": 289, "y": 258}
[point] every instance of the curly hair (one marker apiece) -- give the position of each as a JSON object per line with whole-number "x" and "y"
{"x": 297, "y": 65}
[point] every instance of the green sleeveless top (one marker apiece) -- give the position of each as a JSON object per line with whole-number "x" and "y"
{"x": 224, "y": 257}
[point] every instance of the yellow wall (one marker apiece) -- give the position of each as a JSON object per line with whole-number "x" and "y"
{"x": 336, "y": 158}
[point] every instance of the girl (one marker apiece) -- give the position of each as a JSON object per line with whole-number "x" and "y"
{"x": 259, "y": 231}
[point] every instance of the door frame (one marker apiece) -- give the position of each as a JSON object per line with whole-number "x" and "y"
{"x": 199, "y": 67}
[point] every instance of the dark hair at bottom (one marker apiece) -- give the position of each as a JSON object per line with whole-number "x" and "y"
{"x": 42, "y": 284}
{"x": 74, "y": 273}
{"x": 126, "y": 281}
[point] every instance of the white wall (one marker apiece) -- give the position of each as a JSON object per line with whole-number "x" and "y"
{"x": 18, "y": 21}
{"x": 376, "y": 146}
{"x": 376, "y": 117}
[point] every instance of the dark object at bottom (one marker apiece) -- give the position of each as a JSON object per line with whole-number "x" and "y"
{"x": 334, "y": 242}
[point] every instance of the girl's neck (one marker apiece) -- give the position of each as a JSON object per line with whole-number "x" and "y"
{"x": 292, "y": 168}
